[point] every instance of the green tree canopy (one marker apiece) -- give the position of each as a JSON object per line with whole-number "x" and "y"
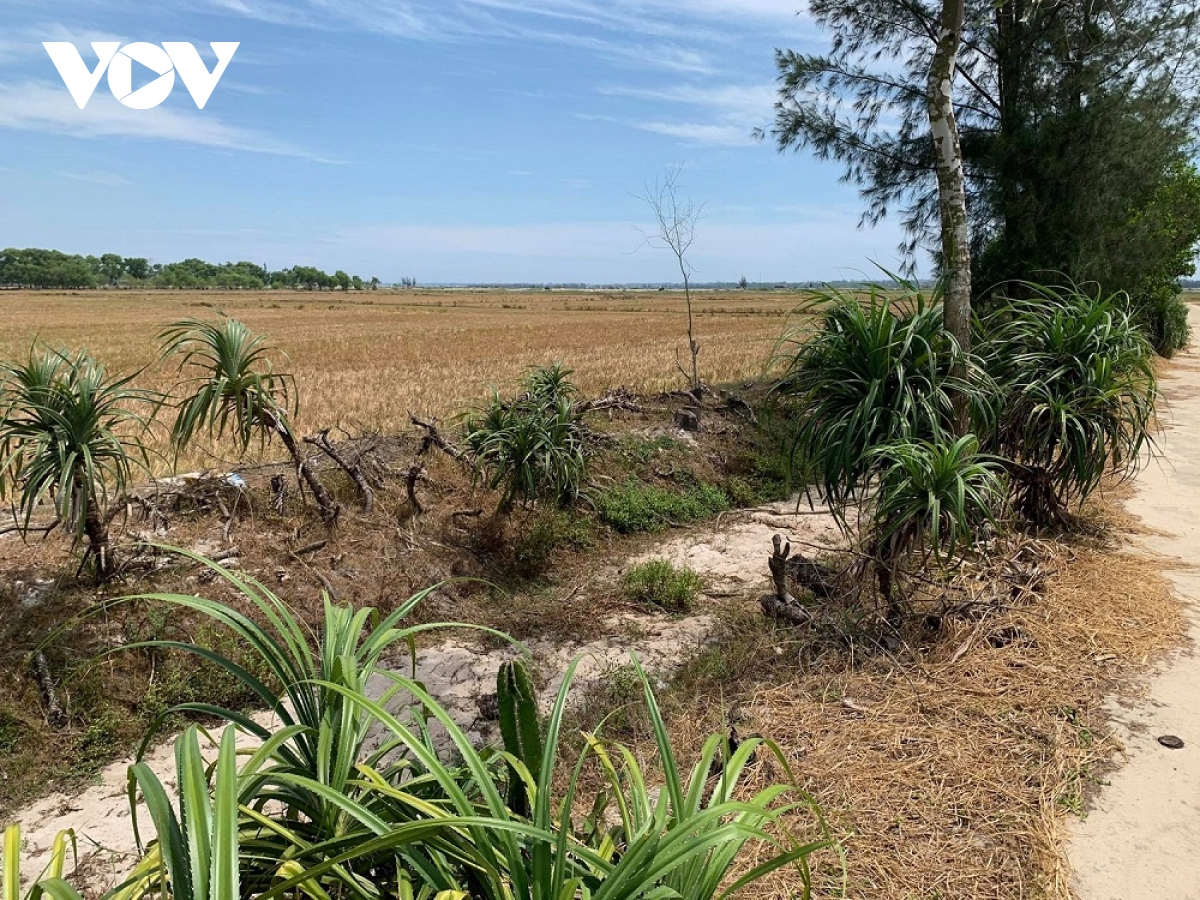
{"x": 1077, "y": 120}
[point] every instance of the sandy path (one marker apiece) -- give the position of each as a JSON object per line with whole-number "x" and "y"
{"x": 1141, "y": 841}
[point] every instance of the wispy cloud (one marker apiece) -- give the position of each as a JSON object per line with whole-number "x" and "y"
{"x": 724, "y": 98}
{"x": 825, "y": 244}
{"x": 40, "y": 106}
{"x": 101, "y": 178}
{"x": 20, "y": 44}
{"x": 441, "y": 18}
{"x": 699, "y": 132}
{"x": 684, "y": 36}
{"x": 727, "y": 113}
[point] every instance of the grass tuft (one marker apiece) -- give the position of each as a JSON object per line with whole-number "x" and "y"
{"x": 659, "y": 583}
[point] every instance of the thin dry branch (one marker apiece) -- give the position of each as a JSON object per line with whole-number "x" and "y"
{"x": 54, "y": 713}
{"x": 620, "y": 398}
{"x": 434, "y": 437}
{"x": 321, "y": 441}
{"x": 20, "y": 529}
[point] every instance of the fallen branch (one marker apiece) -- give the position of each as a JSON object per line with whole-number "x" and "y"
{"x": 414, "y": 474}
{"x": 736, "y": 404}
{"x": 792, "y": 613}
{"x": 616, "y": 399}
{"x": 434, "y": 438}
{"x": 416, "y": 471}
{"x": 54, "y": 713}
{"x": 328, "y": 586}
{"x": 322, "y": 442}
{"x": 328, "y": 507}
{"x": 44, "y": 529}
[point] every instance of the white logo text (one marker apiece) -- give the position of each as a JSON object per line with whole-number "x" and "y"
{"x": 165, "y": 61}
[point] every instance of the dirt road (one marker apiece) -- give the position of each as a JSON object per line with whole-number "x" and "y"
{"x": 1141, "y": 840}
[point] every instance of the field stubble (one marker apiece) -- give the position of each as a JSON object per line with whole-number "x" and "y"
{"x": 363, "y": 361}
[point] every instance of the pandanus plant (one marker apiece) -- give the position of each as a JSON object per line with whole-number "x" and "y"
{"x": 873, "y": 381}
{"x": 369, "y": 788}
{"x": 235, "y": 390}
{"x": 532, "y": 447}
{"x": 1077, "y": 380}
{"x": 70, "y": 433}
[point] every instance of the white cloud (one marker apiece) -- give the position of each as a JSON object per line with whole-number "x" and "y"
{"x": 443, "y": 17}
{"x": 26, "y": 43}
{"x": 729, "y": 112}
{"x": 40, "y": 106}
{"x": 726, "y": 98}
{"x": 700, "y": 132}
{"x": 661, "y": 34}
{"x": 101, "y": 178}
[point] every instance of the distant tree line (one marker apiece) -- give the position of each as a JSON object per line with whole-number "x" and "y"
{"x": 37, "y": 268}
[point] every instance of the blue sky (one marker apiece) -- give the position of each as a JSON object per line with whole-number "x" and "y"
{"x": 453, "y": 141}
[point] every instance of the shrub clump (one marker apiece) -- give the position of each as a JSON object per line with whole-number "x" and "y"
{"x": 876, "y": 371}
{"x": 659, "y": 583}
{"x": 1163, "y": 317}
{"x": 547, "y": 531}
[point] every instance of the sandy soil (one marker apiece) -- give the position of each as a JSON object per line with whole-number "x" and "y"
{"x": 1141, "y": 839}
{"x": 730, "y": 555}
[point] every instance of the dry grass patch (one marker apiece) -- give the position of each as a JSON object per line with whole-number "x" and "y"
{"x": 365, "y": 360}
{"x": 954, "y": 771}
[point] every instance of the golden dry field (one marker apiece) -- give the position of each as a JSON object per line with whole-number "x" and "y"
{"x": 364, "y": 360}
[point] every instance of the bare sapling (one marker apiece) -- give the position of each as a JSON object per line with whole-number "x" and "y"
{"x": 676, "y": 217}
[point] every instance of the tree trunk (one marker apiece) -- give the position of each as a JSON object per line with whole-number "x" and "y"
{"x": 328, "y": 506}
{"x": 952, "y": 193}
{"x": 693, "y": 346}
{"x": 96, "y": 529}
{"x": 1010, "y": 67}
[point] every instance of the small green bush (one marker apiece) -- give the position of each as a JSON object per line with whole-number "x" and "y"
{"x": 636, "y": 506}
{"x": 181, "y": 678}
{"x": 929, "y": 498}
{"x": 740, "y": 491}
{"x": 615, "y": 702}
{"x": 773, "y": 464}
{"x": 659, "y": 583}
{"x": 753, "y": 490}
{"x": 12, "y": 730}
{"x": 106, "y": 728}
{"x": 644, "y": 449}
